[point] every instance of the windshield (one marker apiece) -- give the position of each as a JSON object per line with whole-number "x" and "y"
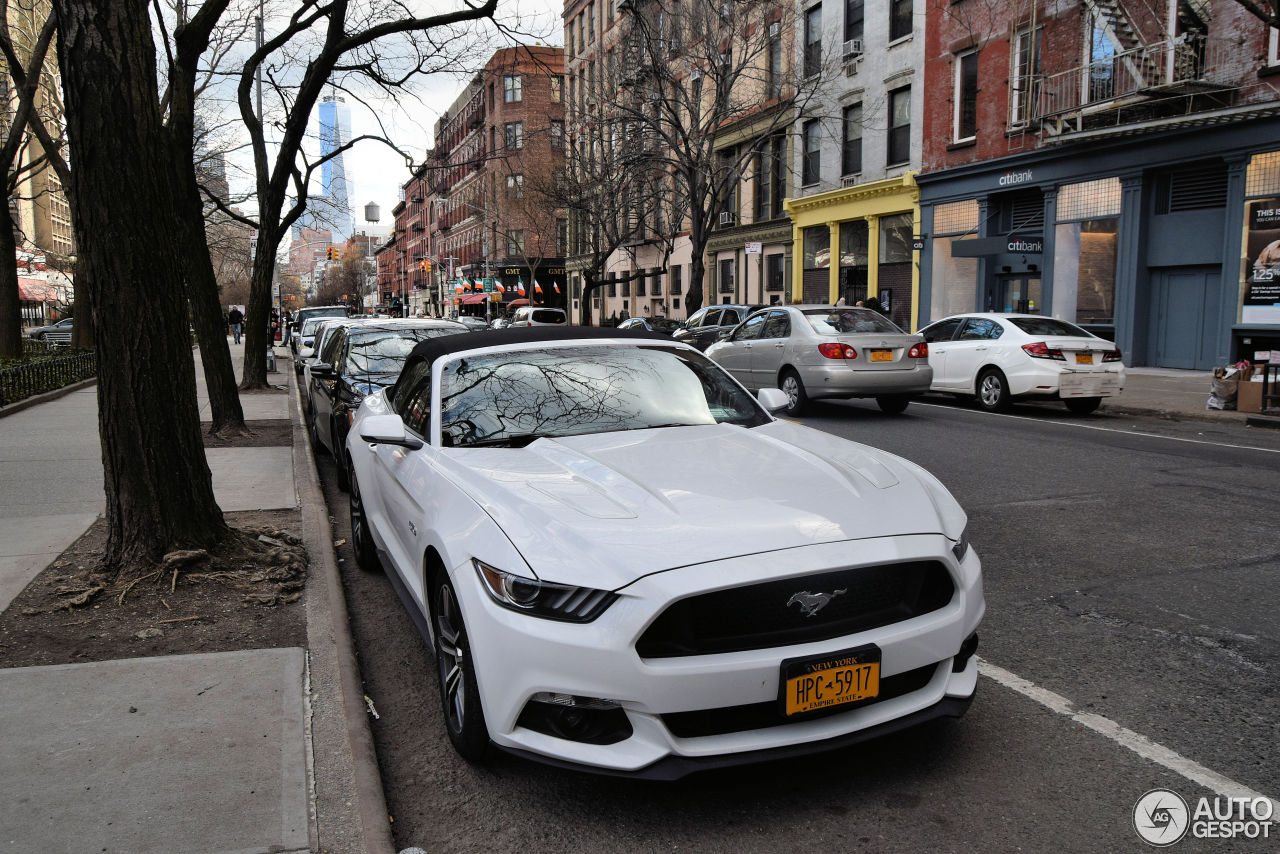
{"x": 384, "y": 351}
{"x": 662, "y": 324}
{"x": 514, "y": 396}
{"x": 311, "y": 324}
{"x": 839, "y": 321}
{"x": 1048, "y": 326}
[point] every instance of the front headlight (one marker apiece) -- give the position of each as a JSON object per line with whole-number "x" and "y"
{"x": 543, "y": 598}
{"x": 961, "y": 547}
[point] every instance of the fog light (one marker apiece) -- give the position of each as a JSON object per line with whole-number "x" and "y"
{"x": 584, "y": 719}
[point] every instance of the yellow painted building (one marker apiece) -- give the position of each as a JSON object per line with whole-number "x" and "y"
{"x": 858, "y": 242}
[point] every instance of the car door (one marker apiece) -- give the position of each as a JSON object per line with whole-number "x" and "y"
{"x": 770, "y": 352}
{"x": 325, "y": 389}
{"x": 734, "y": 353}
{"x": 939, "y": 336}
{"x": 971, "y": 351}
{"x": 398, "y": 475}
{"x": 708, "y": 332}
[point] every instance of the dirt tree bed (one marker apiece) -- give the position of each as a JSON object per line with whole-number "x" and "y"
{"x": 239, "y": 599}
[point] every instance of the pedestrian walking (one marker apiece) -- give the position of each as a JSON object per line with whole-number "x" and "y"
{"x": 235, "y": 319}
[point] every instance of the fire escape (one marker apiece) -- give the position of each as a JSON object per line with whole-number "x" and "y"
{"x": 1132, "y": 75}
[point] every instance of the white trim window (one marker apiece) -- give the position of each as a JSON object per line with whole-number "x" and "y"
{"x": 965, "y": 120}
{"x": 1026, "y": 66}
{"x": 1273, "y": 47}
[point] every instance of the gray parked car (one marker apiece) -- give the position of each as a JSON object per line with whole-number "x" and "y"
{"x": 56, "y": 333}
{"x": 821, "y": 351}
{"x": 707, "y": 325}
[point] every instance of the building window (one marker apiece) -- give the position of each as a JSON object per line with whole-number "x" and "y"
{"x": 515, "y": 186}
{"x": 591, "y": 22}
{"x": 966, "y": 96}
{"x": 770, "y": 180}
{"x": 775, "y": 272}
{"x": 851, "y": 143}
{"x": 813, "y": 41}
{"x": 900, "y": 22}
{"x": 515, "y": 242}
{"x": 853, "y": 18}
{"x": 726, "y": 276}
{"x": 810, "y": 171}
{"x": 515, "y": 134}
{"x": 677, "y": 279}
{"x": 640, "y": 276}
{"x": 562, "y": 237}
{"x": 774, "y": 66}
{"x": 512, "y": 89}
{"x": 1026, "y": 67}
{"x": 899, "y": 126}
{"x": 557, "y": 88}
{"x": 1273, "y": 46}
{"x": 557, "y": 135}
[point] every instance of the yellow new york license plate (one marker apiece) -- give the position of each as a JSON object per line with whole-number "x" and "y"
{"x": 1084, "y": 358}
{"x": 882, "y": 355}
{"x": 820, "y": 683}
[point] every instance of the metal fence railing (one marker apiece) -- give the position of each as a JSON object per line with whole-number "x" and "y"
{"x": 41, "y": 375}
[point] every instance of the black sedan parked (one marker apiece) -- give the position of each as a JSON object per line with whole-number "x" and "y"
{"x": 705, "y": 326}
{"x": 358, "y": 362}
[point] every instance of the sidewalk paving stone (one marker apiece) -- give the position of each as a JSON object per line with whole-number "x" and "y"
{"x": 28, "y": 545}
{"x": 96, "y": 746}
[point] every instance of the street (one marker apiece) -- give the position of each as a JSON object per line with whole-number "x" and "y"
{"x": 1128, "y": 567}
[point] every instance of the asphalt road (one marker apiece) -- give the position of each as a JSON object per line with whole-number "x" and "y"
{"x": 1130, "y": 568}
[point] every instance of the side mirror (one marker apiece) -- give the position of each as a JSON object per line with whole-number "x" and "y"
{"x": 322, "y": 371}
{"x": 388, "y": 430}
{"x": 724, "y": 334}
{"x": 306, "y": 353}
{"x": 773, "y": 399}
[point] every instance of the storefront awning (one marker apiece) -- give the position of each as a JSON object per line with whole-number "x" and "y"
{"x": 472, "y": 299}
{"x": 516, "y": 303}
{"x": 34, "y": 290}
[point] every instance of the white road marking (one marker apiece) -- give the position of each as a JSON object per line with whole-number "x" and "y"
{"x": 1108, "y": 429}
{"x": 1138, "y": 743}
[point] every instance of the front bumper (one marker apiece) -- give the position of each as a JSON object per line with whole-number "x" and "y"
{"x": 517, "y": 656}
{"x": 835, "y": 378}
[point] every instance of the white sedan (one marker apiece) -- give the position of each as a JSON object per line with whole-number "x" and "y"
{"x": 998, "y": 358}
{"x": 623, "y": 563}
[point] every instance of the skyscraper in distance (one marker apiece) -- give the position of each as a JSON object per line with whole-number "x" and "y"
{"x": 331, "y": 208}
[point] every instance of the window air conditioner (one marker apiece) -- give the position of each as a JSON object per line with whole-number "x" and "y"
{"x": 852, "y": 48}
{"x": 726, "y": 218}
{"x": 695, "y": 74}
{"x": 775, "y": 30}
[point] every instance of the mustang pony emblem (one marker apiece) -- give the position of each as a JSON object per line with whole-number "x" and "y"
{"x": 812, "y": 603}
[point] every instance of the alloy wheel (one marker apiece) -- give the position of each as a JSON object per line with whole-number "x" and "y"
{"x": 452, "y": 644}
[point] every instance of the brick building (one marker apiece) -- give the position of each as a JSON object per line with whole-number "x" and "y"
{"x": 1110, "y": 163}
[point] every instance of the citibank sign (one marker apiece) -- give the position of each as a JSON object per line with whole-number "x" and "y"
{"x": 1010, "y": 179}
{"x": 1025, "y": 245}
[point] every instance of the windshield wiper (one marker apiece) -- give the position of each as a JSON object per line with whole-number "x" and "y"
{"x": 515, "y": 440}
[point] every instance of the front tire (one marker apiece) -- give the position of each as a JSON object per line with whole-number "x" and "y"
{"x": 797, "y": 399}
{"x": 361, "y": 537}
{"x": 459, "y": 695}
{"x": 893, "y": 404}
{"x": 1082, "y": 405}
{"x": 993, "y": 391}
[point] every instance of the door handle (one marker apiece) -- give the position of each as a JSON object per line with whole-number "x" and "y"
{"x": 780, "y": 345}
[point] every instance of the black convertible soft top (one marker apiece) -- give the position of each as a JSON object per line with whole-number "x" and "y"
{"x": 433, "y": 348}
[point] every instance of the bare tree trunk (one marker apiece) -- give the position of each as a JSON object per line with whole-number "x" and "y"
{"x": 257, "y": 322}
{"x": 159, "y": 492}
{"x": 693, "y": 300}
{"x": 82, "y": 337}
{"x": 10, "y": 303}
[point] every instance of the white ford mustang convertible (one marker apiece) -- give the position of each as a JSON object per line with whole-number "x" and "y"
{"x": 622, "y": 562}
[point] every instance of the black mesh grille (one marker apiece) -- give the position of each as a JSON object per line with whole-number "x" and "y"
{"x": 706, "y": 722}
{"x": 761, "y": 616}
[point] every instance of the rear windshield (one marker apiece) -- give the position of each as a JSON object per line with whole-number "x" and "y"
{"x": 840, "y": 321}
{"x": 662, "y": 324}
{"x": 548, "y": 316}
{"x": 1048, "y": 326}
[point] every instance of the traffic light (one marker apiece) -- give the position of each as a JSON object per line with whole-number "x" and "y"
{"x": 332, "y": 253}
{"x": 426, "y": 266}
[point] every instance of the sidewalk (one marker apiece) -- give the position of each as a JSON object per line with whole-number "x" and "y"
{"x": 248, "y": 751}
{"x": 1177, "y": 395}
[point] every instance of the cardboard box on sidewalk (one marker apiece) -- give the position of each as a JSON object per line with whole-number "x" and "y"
{"x": 1249, "y": 391}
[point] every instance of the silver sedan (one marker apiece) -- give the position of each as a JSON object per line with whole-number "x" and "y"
{"x": 820, "y": 351}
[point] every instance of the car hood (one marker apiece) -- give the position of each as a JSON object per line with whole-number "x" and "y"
{"x": 603, "y": 510}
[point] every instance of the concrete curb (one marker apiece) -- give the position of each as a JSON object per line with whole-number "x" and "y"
{"x": 338, "y": 648}
{"x": 28, "y": 402}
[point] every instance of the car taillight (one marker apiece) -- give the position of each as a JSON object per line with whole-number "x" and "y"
{"x": 919, "y": 351}
{"x": 1041, "y": 350}
{"x": 836, "y": 350}
{"x": 1113, "y": 356}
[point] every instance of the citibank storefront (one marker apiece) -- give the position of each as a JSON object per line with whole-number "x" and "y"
{"x": 1139, "y": 238}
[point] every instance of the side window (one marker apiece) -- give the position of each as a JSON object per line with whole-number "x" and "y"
{"x": 751, "y": 329}
{"x": 416, "y": 376}
{"x": 980, "y": 329}
{"x": 697, "y": 318}
{"x": 417, "y": 415}
{"x": 712, "y": 318}
{"x": 944, "y": 331}
{"x": 777, "y": 326}
{"x": 331, "y": 345}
